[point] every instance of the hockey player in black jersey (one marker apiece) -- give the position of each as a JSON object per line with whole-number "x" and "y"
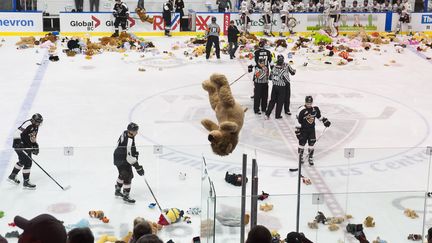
{"x": 25, "y": 145}
{"x": 263, "y": 54}
{"x": 305, "y": 129}
{"x": 121, "y": 14}
{"x": 126, "y": 156}
{"x": 168, "y": 8}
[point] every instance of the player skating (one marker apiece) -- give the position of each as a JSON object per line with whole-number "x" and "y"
{"x": 25, "y": 145}
{"x": 168, "y": 8}
{"x": 333, "y": 17}
{"x": 245, "y": 11}
{"x": 305, "y": 129}
{"x": 267, "y": 13}
{"x": 126, "y": 156}
{"x": 121, "y": 14}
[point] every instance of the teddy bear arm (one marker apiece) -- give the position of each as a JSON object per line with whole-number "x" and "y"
{"x": 226, "y": 97}
{"x": 209, "y": 125}
{"x": 229, "y": 126}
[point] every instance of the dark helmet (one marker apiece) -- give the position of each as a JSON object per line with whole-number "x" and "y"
{"x": 262, "y": 43}
{"x": 213, "y": 19}
{"x": 308, "y": 99}
{"x": 37, "y": 118}
{"x": 133, "y": 127}
{"x": 280, "y": 59}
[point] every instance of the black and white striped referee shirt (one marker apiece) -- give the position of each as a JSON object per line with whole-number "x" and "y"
{"x": 280, "y": 74}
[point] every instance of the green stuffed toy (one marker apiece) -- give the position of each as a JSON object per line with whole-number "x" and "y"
{"x": 320, "y": 39}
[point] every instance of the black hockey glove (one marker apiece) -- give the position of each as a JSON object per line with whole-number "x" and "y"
{"x": 135, "y": 154}
{"x": 35, "y": 149}
{"x": 115, "y": 14}
{"x": 297, "y": 132}
{"x": 139, "y": 169}
{"x": 326, "y": 122}
{"x": 250, "y": 68}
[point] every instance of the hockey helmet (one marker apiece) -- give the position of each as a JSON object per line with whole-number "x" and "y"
{"x": 37, "y": 118}
{"x": 280, "y": 59}
{"x": 213, "y": 19}
{"x": 132, "y": 127}
{"x": 308, "y": 99}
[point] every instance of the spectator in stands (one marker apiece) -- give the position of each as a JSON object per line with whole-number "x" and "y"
{"x": 294, "y": 237}
{"x": 259, "y": 234}
{"x": 3, "y": 240}
{"x": 344, "y": 8}
{"x": 79, "y": 5}
{"x": 430, "y": 10}
{"x": 397, "y": 6}
{"x": 376, "y": 7}
{"x": 149, "y": 239}
{"x": 179, "y": 6}
{"x": 43, "y": 228}
{"x": 80, "y": 235}
{"x": 321, "y": 6}
{"x": 94, "y": 5}
{"x": 311, "y": 7}
{"x": 224, "y": 5}
{"x": 366, "y": 6}
{"x": 386, "y": 6}
{"x": 429, "y": 235}
{"x": 142, "y": 228}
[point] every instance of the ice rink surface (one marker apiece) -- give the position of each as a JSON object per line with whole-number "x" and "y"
{"x": 382, "y": 111}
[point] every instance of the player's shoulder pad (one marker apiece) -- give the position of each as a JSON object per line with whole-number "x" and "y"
{"x": 300, "y": 109}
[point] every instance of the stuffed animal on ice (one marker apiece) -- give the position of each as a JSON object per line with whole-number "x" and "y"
{"x": 172, "y": 215}
{"x": 230, "y": 115}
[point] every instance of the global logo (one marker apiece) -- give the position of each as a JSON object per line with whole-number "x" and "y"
{"x": 90, "y": 25}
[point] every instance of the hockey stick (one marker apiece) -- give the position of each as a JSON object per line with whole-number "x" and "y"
{"x": 63, "y": 188}
{"x": 157, "y": 202}
{"x": 238, "y": 78}
{"x": 307, "y": 156}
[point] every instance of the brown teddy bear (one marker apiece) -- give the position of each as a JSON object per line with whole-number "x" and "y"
{"x": 30, "y": 41}
{"x": 369, "y": 222}
{"x": 143, "y": 16}
{"x": 229, "y": 113}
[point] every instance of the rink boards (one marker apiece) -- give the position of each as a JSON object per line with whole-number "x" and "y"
{"x": 19, "y": 23}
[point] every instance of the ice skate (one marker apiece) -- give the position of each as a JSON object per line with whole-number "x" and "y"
{"x": 127, "y": 199}
{"x": 12, "y": 179}
{"x": 118, "y": 192}
{"x": 310, "y": 160}
{"x": 28, "y": 185}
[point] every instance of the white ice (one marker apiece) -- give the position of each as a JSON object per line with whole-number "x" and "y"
{"x": 384, "y": 111}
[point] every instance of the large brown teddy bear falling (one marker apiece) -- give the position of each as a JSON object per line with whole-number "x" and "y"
{"x": 229, "y": 113}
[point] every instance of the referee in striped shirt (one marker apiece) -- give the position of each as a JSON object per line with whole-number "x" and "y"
{"x": 281, "y": 84}
{"x": 260, "y": 80}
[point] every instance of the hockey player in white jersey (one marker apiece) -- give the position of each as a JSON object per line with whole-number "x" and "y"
{"x": 267, "y": 13}
{"x": 245, "y": 11}
{"x": 404, "y": 15}
{"x": 299, "y": 7}
{"x": 284, "y": 13}
{"x": 334, "y": 14}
